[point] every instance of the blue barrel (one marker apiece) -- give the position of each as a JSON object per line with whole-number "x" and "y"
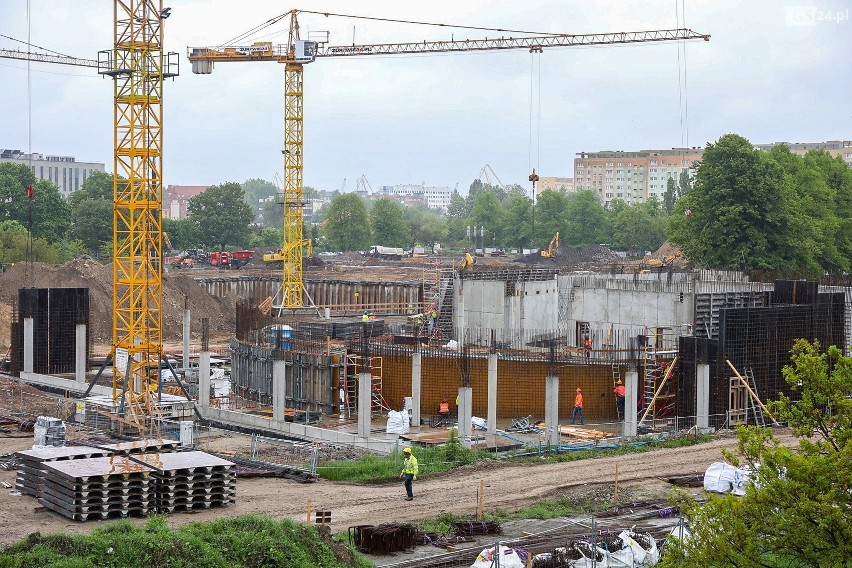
{"x": 280, "y": 336}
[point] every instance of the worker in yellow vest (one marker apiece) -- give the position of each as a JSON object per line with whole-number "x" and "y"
{"x": 409, "y": 473}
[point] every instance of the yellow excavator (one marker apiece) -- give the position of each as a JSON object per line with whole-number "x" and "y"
{"x": 664, "y": 262}
{"x": 466, "y": 263}
{"x": 551, "y": 248}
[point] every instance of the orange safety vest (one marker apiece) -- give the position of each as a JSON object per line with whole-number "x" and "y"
{"x": 578, "y": 402}
{"x": 444, "y": 408}
{"x": 619, "y": 390}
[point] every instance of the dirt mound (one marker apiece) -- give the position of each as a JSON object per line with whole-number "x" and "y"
{"x": 85, "y": 272}
{"x": 565, "y": 256}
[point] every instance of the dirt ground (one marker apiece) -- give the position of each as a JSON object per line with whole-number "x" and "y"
{"x": 507, "y": 486}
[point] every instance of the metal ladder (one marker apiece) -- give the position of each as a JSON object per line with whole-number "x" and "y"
{"x": 754, "y": 407}
{"x": 651, "y": 372}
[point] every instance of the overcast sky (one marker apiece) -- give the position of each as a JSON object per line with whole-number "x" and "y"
{"x": 773, "y": 70}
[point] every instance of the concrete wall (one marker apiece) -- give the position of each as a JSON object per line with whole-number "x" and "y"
{"x": 628, "y": 304}
{"x": 304, "y": 431}
{"x": 532, "y": 305}
{"x": 404, "y": 297}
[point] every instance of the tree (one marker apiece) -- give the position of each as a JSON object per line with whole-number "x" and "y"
{"x": 257, "y": 191}
{"x": 684, "y": 183}
{"x": 813, "y": 224}
{"x": 388, "y": 223}
{"x": 551, "y": 215}
{"x": 92, "y": 211}
{"x": 670, "y": 195}
{"x": 347, "y": 224}
{"x": 183, "y": 233}
{"x": 427, "y": 226}
{"x": 738, "y": 209}
{"x": 458, "y": 207}
{"x": 519, "y": 220}
{"x": 796, "y": 513}
{"x": 272, "y": 215}
{"x": 586, "y": 219}
{"x": 487, "y": 212}
{"x": 50, "y": 213}
{"x": 266, "y": 237}
{"x": 637, "y": 226}
{"x": 13, "y": 245}
{"x": 221, "y": 215}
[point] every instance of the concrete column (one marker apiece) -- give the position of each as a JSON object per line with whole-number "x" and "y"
{"x": 279, "y": 389}
{"x": 551, "y": 410}
{"x": 186, "y": 338}
{"x": 80, "y": 353}
{"x": 204, "y": 379}
{"x": 631, "y": 387}
{"x": 492, "y": 393}
{"x": 702, "y": 396}
{"x": 459, "y": 321}
{"x": 465, "y": 411}
{"x": 416, "y": 370}
{"x": 365, "y": 402}
{"x": 28, "y": 345}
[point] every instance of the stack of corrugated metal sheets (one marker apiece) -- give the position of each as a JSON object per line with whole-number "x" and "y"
{"x": 191, "y": 480}
{"x": 97, "y": 488}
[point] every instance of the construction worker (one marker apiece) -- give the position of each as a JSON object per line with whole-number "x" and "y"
{"x": 619, "y": 397}
{"x": 366, "y": 317}
{"x": 587, "y": 343}
{"x": 578, "y": 407}
{"x": 433, "y": 319}
{"x": 409, "y": 473}
{"x": 444, "y": 410}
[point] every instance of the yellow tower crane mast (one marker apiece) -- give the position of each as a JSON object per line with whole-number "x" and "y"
{"x": 137, "y": 65}
{"x": 297, "y": 52}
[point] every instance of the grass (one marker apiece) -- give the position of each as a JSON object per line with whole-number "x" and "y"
{"x": 248, "y": 541}
{"x": 436, "y": 459}
{"x": 378, "y": 469}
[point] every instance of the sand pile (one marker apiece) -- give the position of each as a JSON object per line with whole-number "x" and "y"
{"x": 85, "y": 272}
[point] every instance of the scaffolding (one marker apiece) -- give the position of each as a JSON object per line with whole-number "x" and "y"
{"x": 659, "y": 356}
{"x": 356, "y": 364}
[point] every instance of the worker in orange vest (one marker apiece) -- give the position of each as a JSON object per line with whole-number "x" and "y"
{"x": 619, "y": 397}
{"x": 444, "y": 410}
{"x": 578, "y": 407}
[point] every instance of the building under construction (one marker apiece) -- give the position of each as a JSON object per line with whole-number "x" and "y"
{"x": 505, "y": 334}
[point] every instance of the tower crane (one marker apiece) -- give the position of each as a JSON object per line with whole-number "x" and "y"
{"x": 298, "y": 52}
{"x": 138, "y": 65}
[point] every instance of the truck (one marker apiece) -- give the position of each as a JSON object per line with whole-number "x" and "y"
{"x": 387, "y": 253}
{"x": 230, "y": 259}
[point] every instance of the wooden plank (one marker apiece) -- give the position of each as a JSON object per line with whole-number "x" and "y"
{"x": 583, "y": 433}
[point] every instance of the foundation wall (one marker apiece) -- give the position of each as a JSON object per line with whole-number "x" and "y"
{"x": 520, "y": 386}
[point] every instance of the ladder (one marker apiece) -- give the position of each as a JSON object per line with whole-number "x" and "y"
{"x": 753, "y": 406}
{"x": 651, "y": 371}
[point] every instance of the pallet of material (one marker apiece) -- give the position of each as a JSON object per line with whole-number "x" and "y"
{"x": 583, "y": 433}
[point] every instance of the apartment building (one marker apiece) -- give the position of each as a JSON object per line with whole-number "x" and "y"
{"x": 433, "y": 197}
{"x": 841, "y": 148}
{"x": 176, "y": 200}
{"x": 638, "y": 176}
{"x": 65, "y": 172}
{"x": 561, "y": 184}
{"x": 633, "y": 177}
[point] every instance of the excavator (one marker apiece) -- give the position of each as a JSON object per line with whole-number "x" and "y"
{"x": 662, "y": 263}
{"x": 551, "y": 248}
{"x": 466, "y": 263}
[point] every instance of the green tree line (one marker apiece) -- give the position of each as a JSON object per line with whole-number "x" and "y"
{"x": 743, "y": 209}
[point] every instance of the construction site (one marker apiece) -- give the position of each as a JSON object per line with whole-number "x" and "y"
{"x": 223, "y": 392}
